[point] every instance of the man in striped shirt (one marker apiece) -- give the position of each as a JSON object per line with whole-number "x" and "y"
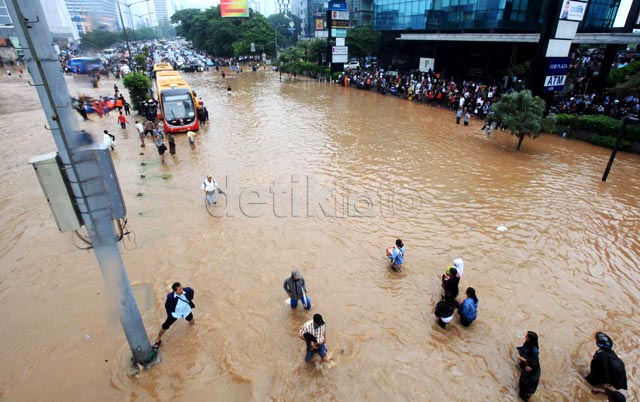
{"x": 313, "y": 333}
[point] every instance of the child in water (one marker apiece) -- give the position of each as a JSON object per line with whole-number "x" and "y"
{"x": 396, "y": 255}
{"x": 458, "y": 264}
{"x": 228, "y": 89}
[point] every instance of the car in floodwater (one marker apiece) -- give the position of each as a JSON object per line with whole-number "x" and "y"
{"x": 352, "y": 65}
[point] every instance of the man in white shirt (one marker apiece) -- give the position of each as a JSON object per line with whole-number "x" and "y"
{"x": 209, "y": 186}
{"x": 140, "y": 129}
{"x": 313, "y": 333}
{"x": 178, "y": 305}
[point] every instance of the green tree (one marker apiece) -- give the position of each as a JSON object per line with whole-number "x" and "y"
{"x": 222, "y": 34}
{"x": 363, "y": 41}
{"x": 523, "y": 114}
{"x": 138, "y": 85}
{"x": 258, "y": 31}
{"x": 316, "y": 49}
{"x": 184, "y": 20}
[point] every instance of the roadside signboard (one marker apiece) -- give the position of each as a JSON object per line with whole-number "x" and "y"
{"x": 427, "y": 64}
{"x": 557, "y": 70}
{"x": 338, "y": 33}
{"x": 319, "y": 24}
{"x": 340, "y": 15}
{"x": 339, "y": 50}
{"x": 340, "y": 24}
{"x": 340, "y": 58}
{"x": 340, "y": 41}
{"x": 338, "y": 5}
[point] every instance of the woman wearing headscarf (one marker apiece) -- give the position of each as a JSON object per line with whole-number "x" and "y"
{"x": 606, "y": 367}
{"x": 529, "y": 362}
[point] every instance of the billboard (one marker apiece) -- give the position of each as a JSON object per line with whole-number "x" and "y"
{"x": 319, "y": 24}
{"x": 234, "y": 8}
{"x": 573, "y": 10}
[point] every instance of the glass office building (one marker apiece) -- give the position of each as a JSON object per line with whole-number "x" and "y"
{"x": 481, "y": 15}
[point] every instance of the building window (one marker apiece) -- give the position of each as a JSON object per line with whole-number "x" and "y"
{"x": 4, "y": 15}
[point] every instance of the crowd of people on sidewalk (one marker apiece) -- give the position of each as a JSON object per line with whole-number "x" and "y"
{"x": 475, "y": 96}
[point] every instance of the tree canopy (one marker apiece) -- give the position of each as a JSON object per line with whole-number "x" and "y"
{"x": 363, "y": 41}
{"x": 523, "y": 114}
{"x": 227, "y": 37}
{"x": 99, "y": 39}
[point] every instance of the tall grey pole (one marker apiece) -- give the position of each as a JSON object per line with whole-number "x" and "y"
{"x": 124, "y": 31}
{"x": 90, "y": 194}
{"x": 616, "y": 146}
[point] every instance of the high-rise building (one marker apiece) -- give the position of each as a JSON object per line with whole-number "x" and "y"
{"x": 360, "y": 12}
{"x": 5, "y": 20}
{"x": 90, "y": 15}
{"x": 60, "y": 24}
{"x": 316, "y": 9}
{"x": 486, "y": 39}
{"x": 256, "y": 5}
{"x": 161, "y": 12}
{"x": 284, "y": 6}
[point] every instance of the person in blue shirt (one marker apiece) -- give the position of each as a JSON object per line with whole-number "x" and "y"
{"x": 397, "y": 256}
{"x": 468, "y": 310}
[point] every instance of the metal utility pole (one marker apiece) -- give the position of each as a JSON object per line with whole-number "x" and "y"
{"x": 84, "y": 167}
{"x": 623, "y": 127}
{"x": 124, "y": 31}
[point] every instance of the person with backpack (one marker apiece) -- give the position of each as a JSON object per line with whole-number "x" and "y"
{"x": 179, "y": 304}
{"x": 397, "y": 256}
{"x": 450, "y": 283}
{"x": 606, "y": 366}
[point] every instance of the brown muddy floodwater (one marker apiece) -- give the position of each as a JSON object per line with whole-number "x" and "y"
{"x": 340, "y": 174}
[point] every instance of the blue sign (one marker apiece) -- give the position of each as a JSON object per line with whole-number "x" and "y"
{"x": 338, "y": 5}
{"x": 558, "y": 66}
{"x": 557, "y": 70}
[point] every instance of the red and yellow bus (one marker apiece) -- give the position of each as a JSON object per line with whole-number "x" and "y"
{"x": 176, "y": 100}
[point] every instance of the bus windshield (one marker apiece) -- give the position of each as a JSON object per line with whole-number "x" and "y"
{"x": 179, "y": 106}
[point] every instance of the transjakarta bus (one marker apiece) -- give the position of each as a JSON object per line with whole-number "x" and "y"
{"x": 177, "y": 102}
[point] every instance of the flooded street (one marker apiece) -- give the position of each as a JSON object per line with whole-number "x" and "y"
{"x": 323, "y": 178}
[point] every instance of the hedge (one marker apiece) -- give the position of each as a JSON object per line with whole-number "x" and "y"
{"x": 604, "y": 126}
{"x": 609, "y": 142}
{"x": 305, "y": 68}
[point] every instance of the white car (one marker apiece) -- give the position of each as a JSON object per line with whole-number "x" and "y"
{"x": 352, "y": 65}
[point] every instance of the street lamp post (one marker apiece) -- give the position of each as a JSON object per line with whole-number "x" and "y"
{"x": 124, "y": 29}
{"x": 625, "y": 121}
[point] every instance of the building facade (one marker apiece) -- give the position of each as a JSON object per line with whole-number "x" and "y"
{"x": 90, "y": 15}
{"x": 60, "y": 24}
{"x": 488, "y": 38}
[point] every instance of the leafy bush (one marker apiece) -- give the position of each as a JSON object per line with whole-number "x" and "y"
{"x": 603, "y": 125}
{"x": 609, "y": 142}
{"x": 565, "y": 119}
{"x": 335, "y": 76}
{"x": 138, "y": 85}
